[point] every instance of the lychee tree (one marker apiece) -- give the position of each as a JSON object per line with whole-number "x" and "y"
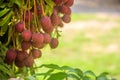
{"x": 26, "y": 27}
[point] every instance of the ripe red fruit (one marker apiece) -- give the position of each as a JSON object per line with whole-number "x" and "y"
{"x": 69, "y": 3}
{"x": 10, "y": 56}
{"x": 28, "y": 16}
{"x": 26, "y": 35}
{"x": 19, "y": 64}
{"x": 58, "y": 2}
{"x": 19, "y": 26}
{"x": 29, "y": 61}
{"x": 66, "y": 18}
{"x": 38, "y": 45}
{"x": 37, "y": 38}
{"x": 54, "y": 43}
{"x": 65, "y": 10}
{"x": 36, "y": 53}
{"x": 45, "y": 22}
{"x": 47, "y": 38}
{"x": 21, "y": 55}
{"x": 25, "y": 45}
{"x": 54, "y": 18}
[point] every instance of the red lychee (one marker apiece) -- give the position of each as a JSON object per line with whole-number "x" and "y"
{"x": 54, "y": 43}
{"x": 45, "y": 22}
{"x": 19, "y": 26}
{"x": 25, "y": 45}
{"x": 65, "y": 10}
{"x": 19, "y": 64}
{"x": 36, "y": 53}
{"x": 37, "y": 38}
{"x": 10, "y": 56}
{"x": 26, "y": 35}
{"x": 54, "y": 19}
{"x": 29, "y": 61}
{"x": 66, "y": 18}
{"x": 28, "y": 16}
{"x": 69, "y": 3}
{"x": 47, "y": 38}
{"x": 38, "y": 45}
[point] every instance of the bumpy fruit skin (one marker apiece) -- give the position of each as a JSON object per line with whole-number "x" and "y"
{"x": 37, "y": 38}
{"x": 49, "y": 30}
{"x": 54, "y": 18}
{"x": 45, "y": 22}
{"x": 36, "y": 53}
{"x": 69, "y": 3}
{"x": 10, "y": 56}
{"x": 54, "y": 43}
{"x": 66, "y": 18}
{"x": 29, "y": 61}
{"x": 26, "y": 35}
{"x": 65, "y": 10}
{"x": 19, "y": 64}
{"x": 28, "y": 15}
{"x": 38, "y": 45}
{"x": 25, "y": 45}
{"x": 47, "y": 38}
{"x": 21, "y": 55}
{"x": 19, "y": 26}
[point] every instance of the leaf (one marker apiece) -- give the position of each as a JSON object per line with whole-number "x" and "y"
{"x": 31, "y": 78}
{"x": 58, "y": 76}
{"x": 50, "y": 3}
{"x": 17, "y": 2}
{"x": 48, "y": 73}
{"x": 86, "y": 78}
{"x": 103, "y": 76}
{"x": 90, "y": 74}
{"x": 73, "y": 76}
{"x": 79, "y": 72}
{"x": 4, "y": 11}
{"x": 6, "y": 19}
{"x": 52, "y": 66}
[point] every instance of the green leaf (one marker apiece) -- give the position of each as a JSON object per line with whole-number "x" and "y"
{"x": 6, "y": 19}
{"x": 5, "y": 70}
{"x": 48, "y": 73}
{"x": 103, "y": 76}
{"x": 31, "y": 78}
{"x": 52, "y": 66}
{"x": 17, "y": 2}
{"x": 86, "y": 78}
{"x": 79, "y": 72}
{"x": 4, "y": 11}
{"x": 90, "y": 74}
{"x": 58, "y": 76}
{"x": 73, "y": 76}
{"x": 50, "y": 3}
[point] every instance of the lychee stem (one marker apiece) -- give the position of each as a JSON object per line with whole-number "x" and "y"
{"x": 41, "y": 2}
{"x": 29, "y": 14}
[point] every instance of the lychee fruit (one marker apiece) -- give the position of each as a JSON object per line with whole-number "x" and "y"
{"x": 26, "y": 35}
{"x": 37, "y": 38}
{"x": 54, "y": 19}
{"x": 36, "y": 53}
{"x": 29, "y": 61}
{"x": 49, "y": 30}
{"x": 19, "y": 26}
{"x": 39, "y": 10}
{"x": 47, "y": 38}
{"x": 54, "y": 43}
{"x": 65, "y": 9}
{"x": 66, "y": 18}
{"x": 38, "y": 45}
{"x": 45, "y": 22}
{"x": 10, "y": 56}
{"x": 69, "y": 3}
{"x": 25, "y": 45}
{"x": 19, "y": 64}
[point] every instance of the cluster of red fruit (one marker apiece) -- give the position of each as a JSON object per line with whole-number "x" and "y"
{"x": 36, "y": 29}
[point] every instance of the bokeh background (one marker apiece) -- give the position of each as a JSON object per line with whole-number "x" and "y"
{"x": 92, "y": 40}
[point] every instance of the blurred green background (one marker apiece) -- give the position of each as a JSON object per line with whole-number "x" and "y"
{"x": 89, "y": 42}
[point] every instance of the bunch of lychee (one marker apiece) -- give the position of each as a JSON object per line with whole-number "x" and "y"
{"x": 36, "y": 29}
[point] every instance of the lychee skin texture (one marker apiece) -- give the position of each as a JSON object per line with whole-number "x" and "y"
{"x": 19, "y": 64}
{"x": 29, "y": 61}
{"x": 69, "y": 3}
{"x": 36, "y": 53}
{"x": 37, "y": 38}
{"x": 25, "y": 45}
{"x": 38, "y": 45}
{"x": 19, "y": 26}
{"x": 21, "y": 55}
{"x": 54, "y": 43}
{"x": 47, "y": 38}
{"x": 45, "y": 22}
{"x": 54, "y": 19}
{"x": 10, "y": 56}
{"x": 26, "y": 35}
{"x": 66, "y": 18}
{"x": 65, "y": 10}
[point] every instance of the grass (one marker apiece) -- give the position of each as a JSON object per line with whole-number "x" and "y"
{"x": 99, "y": 53}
